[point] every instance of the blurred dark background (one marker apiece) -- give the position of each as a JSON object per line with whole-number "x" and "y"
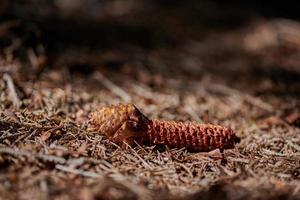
{"x": 200, "y": 35}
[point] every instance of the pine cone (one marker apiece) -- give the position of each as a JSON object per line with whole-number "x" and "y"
{"x": 126, "y": 123}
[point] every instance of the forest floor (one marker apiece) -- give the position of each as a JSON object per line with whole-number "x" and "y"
{"x": 46, "y": 151}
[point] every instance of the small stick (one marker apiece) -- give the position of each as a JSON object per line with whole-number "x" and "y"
{"x": 118, "y": 178}
{"x": 78, "y": 172}
{"x": 295, "y": 146}
{"x": 113, "y": 87}
{"x": 8, "y": 124}
{"x": 192, "y": 113}
{"x": 186, "y": 169}
{"x": 33, "y": 58}
{"x": 140, "y": 158}
{"x": 10, "y": 136}
{"x": 250, "y": 99}
{"x": 14, "y": 152}
{"x": 12, "y": 91}
{"x": 19, "y": 153}
{"x": 273, "y": 153}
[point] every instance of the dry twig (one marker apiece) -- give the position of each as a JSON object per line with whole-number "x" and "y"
{"x": 12, "y": 91}
{"x": 113, "y": 87}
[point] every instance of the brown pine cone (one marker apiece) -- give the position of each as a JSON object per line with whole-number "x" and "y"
{"x": 126, "y": 123}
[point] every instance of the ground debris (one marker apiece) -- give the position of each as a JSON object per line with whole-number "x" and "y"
{"x": 48, "y": 152}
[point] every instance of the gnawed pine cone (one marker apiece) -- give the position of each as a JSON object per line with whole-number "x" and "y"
{"x": 124, "y": 122}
